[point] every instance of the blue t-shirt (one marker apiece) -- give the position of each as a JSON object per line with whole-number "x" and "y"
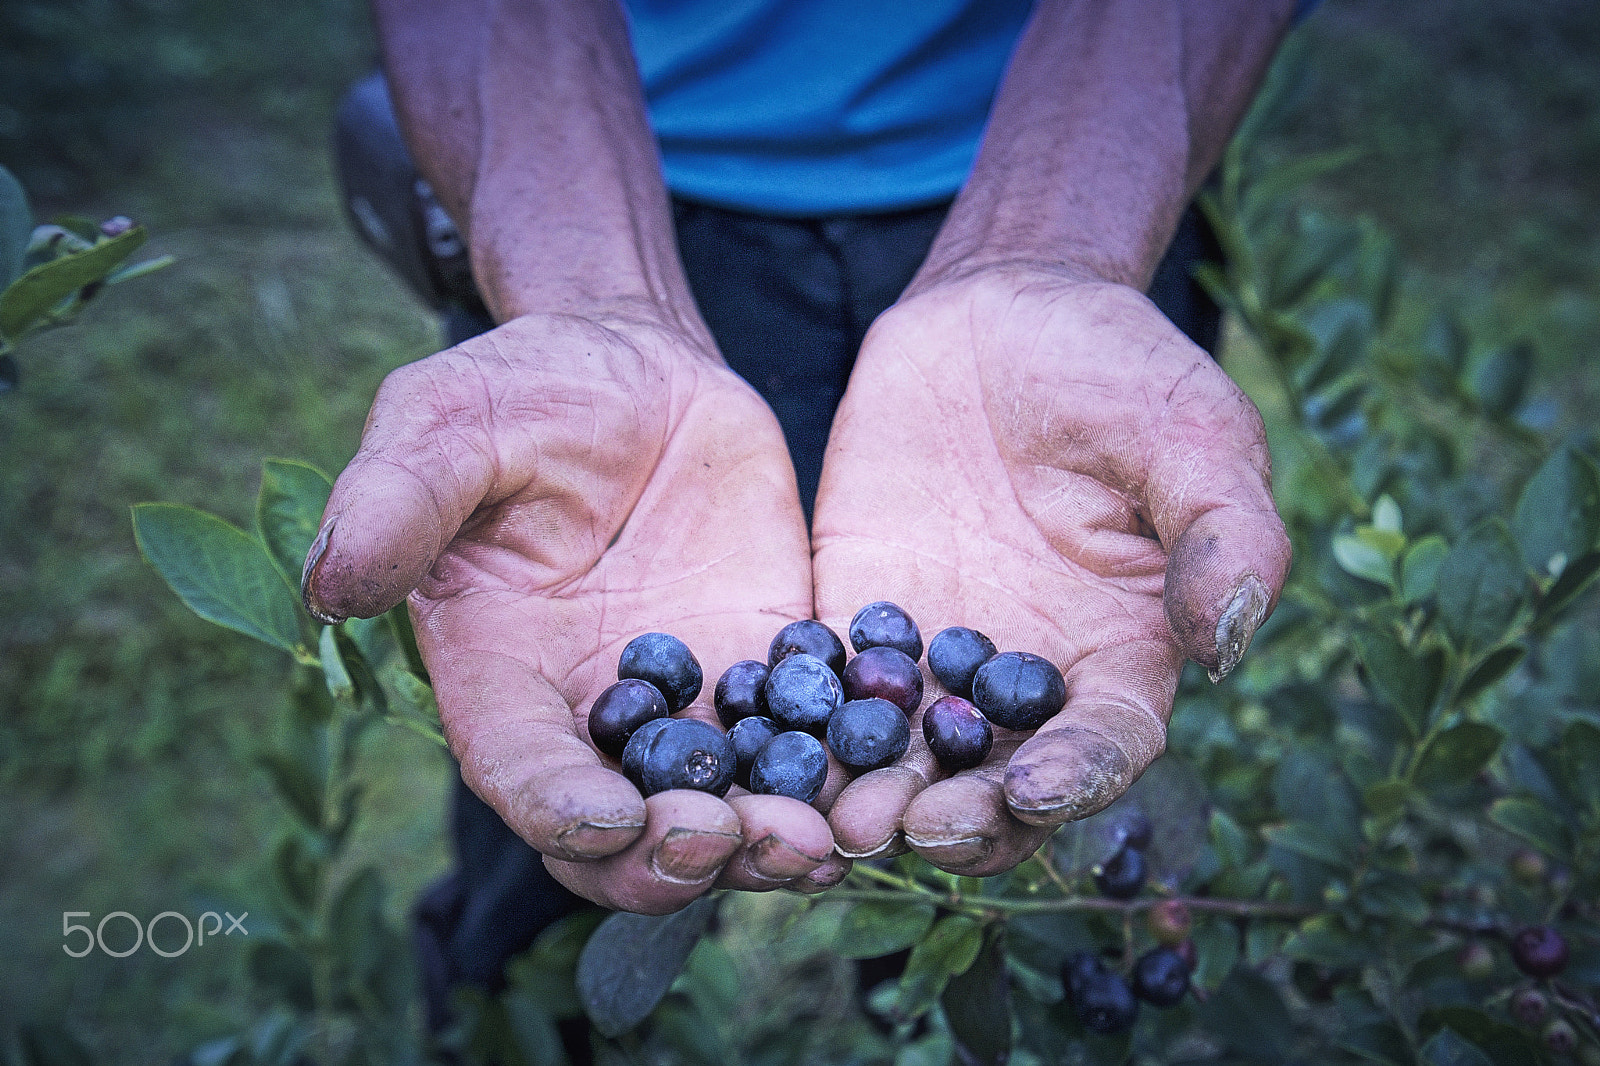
{"x": 821, "y": 107}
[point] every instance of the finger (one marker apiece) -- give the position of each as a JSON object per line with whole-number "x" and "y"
{"x": 688, "y": 839}
{"x": 785, "y": 840}
{"x": 419, "y": 472}
{"x": 867, "y": 818}
{"x": 1112, "y": 727}
{"x": 962, "y": 824}
{"x": 824, "y": 877}
{"x": 1210, "y": 497}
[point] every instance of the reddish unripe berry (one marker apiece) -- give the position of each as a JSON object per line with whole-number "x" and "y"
{"x": 1476, "y": 961}
{"x": 1188, "y": 953}
{"x": 1170, "y": 922}
{"x": 1529, "y": 867}
{"x": 1529, "y": 1006}
{"x": 1560, "y": 1038}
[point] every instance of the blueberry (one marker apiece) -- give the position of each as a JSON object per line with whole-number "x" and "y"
{"x": 957, "y": 733}
{"x": 1160, "y": 977}
{"x": 749, "y": 736}
{"x": 887, "y": 673}
{"x": 1539, "y": 951}
{"x": 620, "y": 710}
{"x": 885, "y": 625}
{"x": 740, "y": 692}
{"x": 812, "y": 638}
{"x": 868, "y": 734}
{"x": 1100, "y": 997}
{"x": 638, "y": 744}
{"x": 791, "y": 764}
{"x": 665, "y": 662}
{"x": 954, "y": 656}
{"x": 687, "y": 753}
{"x": 1123, "y": 876}
{"x": 802, "y": 692}
{"x": 1018, "y": 690}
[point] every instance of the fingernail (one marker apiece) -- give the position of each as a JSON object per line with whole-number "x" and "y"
{"x": 823, "y": 877}
{"x": 593, "y": 840}
{"x": 687, "y": 856}
{"x": 775, "y": 859}
{"x": 894, "y": 845}
{"x": 1238, "y": 624}
{"x": 319, "y": 548}
{"x": 954, "y": 854}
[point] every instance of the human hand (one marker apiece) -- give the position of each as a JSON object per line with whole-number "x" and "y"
{"x": 543, "y": 494}
{"x": 1042, "y": 456}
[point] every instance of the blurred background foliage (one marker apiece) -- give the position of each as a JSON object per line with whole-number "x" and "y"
{"x": 124, "y": 720}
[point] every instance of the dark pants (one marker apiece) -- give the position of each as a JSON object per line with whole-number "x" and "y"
{"x": 788, "y": 301}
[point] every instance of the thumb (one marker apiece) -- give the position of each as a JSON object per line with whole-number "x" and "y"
{"x": 420, "y": 471}
{"x": 1227, "y": 550}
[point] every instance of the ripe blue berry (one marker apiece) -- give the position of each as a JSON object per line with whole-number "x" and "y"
{"x": 812, "y": 638}
{"x": 886, "y": 673}
{"x": 957, "y": 733}
{"x": 749, "y": 736}
{"x": 687, "y": 753}
{"x": 1018, "y": 690}
{"x": 740, "y": 692}
{"x": 802, "y": 693}
{"x": 1122, "y": 876}
{"x": 868, "y": 734}
{"x": 885, "y": 625}
{"x": 954, "y": 656}
{"x": 1540, "y": 951}
{"x": 665, "y": 662}
{"x": 620, "y": 710}
{"x": 1160, "y": 977}
{"x": 791, "y": 764}
{"x": 1100, "y": 997}
{"x": 638, "y": 744}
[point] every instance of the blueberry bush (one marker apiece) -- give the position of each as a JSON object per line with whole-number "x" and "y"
{"x": 1378, "y": 841}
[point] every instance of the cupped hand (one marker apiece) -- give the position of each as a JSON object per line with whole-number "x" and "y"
{"x": 1045, "y": 458}
{"x": 543, "y": 494}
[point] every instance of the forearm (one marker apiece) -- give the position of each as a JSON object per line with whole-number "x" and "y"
{"x": 1111, "y": 114}
{"x": 528, "y": 120}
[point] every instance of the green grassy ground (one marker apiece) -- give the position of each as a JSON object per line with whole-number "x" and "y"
{"x": 126, "y": 724}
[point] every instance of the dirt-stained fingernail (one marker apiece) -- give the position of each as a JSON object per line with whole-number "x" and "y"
{"x": 824, "y": 877}
{"x": 894, "y": 844}
{"x": 687, "y": 856}
{"x": 954, "y": 855}
{"x": 319, "y": 548}
{"x": 594, "y": 840}
{"x": 1240, "y": 620}
{"x": 775, "y": 859}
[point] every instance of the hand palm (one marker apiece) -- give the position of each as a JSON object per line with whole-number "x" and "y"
{"x": 551, "y": 490}
{"x": 1023, "y": 454}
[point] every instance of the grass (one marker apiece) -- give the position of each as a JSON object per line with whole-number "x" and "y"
{"x": 126, "y": 724}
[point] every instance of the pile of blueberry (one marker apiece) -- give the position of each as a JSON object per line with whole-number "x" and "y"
{"x": 777, "y": 714}
{"x": 1105, "y": 1000}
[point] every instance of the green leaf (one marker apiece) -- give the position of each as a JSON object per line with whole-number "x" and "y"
{"x": 977, "y": 1004}
{"x": 282, "y": 973}
{"x": 1491, "y": 672}
{"x": 221, "y": 573}
{"x": 1216, "y": 946}
{"x": 1505, "y": 1045}
{"x": 1322, "y": 939}
{"x": 1386, "y": 797}
{"x": 32, "y": 296}
{"x": 546, "y": 973}
{"x": 297, "y": 785}
{"x": 1499, "y": 380}
{"x": 1356, "y": 555}
{"x": 1457, "y": 755}
{"x": 1392, "y": 895}
{"x": 360, "y": 935}
{"x": 1311, "y": 841}
{"x": 1419, "y": 568}
{"x": 289, "y": 512}
{"x": 1231, "y": 842}
{"x": 1399, "y": 678}
{"x": 950, "y": 948}
{"x": 1447, "y": 1048}
{"x": 334, "y": 674}
{"x": 1381, "y": 1042}
{"x": 1535, "y": 823}
{"x": 631, "y": 961}
{"x": 876, "y": 928}
{"x": 46, "y": 1044}
{"x": 16, "y": 226}
{"x": 1481, "y": 585}
{"x": 1579, "y": 762}
{"x": 1573, "y": 582}
{"x": 1557, "y": 518}
{"x": 297, "y": 872}
{"x": 1445, "y": 342}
